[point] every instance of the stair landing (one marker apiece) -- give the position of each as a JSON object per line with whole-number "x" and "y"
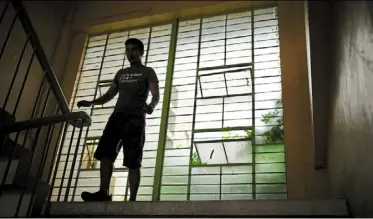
{"x": 244, "y": 208}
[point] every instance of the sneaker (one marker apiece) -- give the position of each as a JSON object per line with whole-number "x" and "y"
{"x": 99, "y": 196}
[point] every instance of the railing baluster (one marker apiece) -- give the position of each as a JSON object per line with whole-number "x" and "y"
{"x": 56, "y": 148}
{"x": 48, "y": 145}
{"x": 33, "y": 113}
{"x": 37, "y": 137}
{"x": 67, "y": 161}
{"x": 64, "y": 129}
{"x": 23, "y": 84}
{"x": 20, "y": 199}
{"x": 10, "y": 158}
{"x": 80, "y": 164}
{"x": 74, "y": 161}
{"x": 33, "y": 148}
{"x": 4, "y": 11}
{"x": 12, "y": 153}
{"x": 50, "y": 129}
{"x": 15, "y": 73}
{"x": 41, "y": 166}
{"x": 8, "y": 35}
{"x": 40, "y": 54}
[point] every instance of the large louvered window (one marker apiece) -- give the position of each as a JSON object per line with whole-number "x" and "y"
{"x": 224, "y": 135}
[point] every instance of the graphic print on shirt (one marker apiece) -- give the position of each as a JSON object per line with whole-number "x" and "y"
{"x": 132, "y": 82}
{"x": 133, "y": 88}
{"x": 130, "y": 77}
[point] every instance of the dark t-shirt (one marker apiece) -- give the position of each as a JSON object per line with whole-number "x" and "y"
{"x": 133, "y": 84}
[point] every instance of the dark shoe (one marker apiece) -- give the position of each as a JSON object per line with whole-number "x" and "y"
{"x": 99, "y": 196}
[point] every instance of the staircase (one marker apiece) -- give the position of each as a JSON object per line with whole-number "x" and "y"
{"x": 25, "y": 146}
{"x": 17, "y": 190}
{"x": 23, "y": 192}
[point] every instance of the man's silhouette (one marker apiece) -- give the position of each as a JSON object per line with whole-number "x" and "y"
{"x": 127, "y": 123}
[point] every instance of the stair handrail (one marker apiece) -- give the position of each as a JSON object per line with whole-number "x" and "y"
{"x": 67, "y": 115}
{"x": 40, "y": 54}
{"x": 78, "y": 119}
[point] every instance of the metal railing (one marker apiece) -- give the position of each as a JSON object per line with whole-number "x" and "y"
{"x": 38, "y": 138}
{"x": 23, "y": 17}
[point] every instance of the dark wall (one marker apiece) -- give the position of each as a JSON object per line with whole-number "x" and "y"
{"x": 320, "y": 25}
{"x": 348, "y": 72}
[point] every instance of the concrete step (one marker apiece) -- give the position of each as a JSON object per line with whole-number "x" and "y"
{"x": 18, "y": 181}
{"x": 236, "y": 208}
{"x": 11, "y": 197}
{"x": 18, "y": 166}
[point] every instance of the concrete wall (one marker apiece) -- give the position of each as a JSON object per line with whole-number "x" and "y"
{"x": 303, "y": 181}
{"x": 351, "y": 119}
{"x": 48, "y": 19}
{"x": 105, "y": 12}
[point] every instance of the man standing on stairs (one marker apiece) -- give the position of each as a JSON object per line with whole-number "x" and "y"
{"x": 126, "y": 126}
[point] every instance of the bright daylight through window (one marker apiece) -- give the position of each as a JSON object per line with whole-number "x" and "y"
{"x": 224, "y": 136}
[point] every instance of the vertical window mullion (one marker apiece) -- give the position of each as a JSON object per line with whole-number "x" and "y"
{"x": 225, "y": 50}
{"x": 165, "y": 112}
{"x": 252, "y": 71}
{"x": 148, "y": 46}
{"x": 194, "y": 109}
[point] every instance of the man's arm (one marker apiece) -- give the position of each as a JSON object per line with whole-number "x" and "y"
{"x": 154, "y": 89}
{"x": 109, "y": 95}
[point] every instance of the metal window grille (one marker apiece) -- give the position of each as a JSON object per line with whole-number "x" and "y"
{"x": 225, "y": 116}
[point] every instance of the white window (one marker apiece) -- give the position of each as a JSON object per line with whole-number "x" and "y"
{"x": 224, "y": 132}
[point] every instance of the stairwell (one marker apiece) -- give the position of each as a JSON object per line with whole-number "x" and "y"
{"x": 25, "y": 192}
{"x": 19, "y": 189}
{"x": 26, "y": 144}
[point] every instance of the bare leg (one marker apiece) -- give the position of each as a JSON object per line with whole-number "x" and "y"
{"x": 106, "y": 170}
{"x": 134, "y": 180}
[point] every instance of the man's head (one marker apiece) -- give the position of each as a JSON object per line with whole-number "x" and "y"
{"x": 134, "y": 50}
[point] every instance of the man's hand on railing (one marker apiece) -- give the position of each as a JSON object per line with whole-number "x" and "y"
{"x": 84, "y": 103}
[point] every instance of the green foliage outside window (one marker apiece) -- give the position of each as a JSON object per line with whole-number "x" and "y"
{"x": 276, "y": 133}
{"x": 273, "y": 135}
